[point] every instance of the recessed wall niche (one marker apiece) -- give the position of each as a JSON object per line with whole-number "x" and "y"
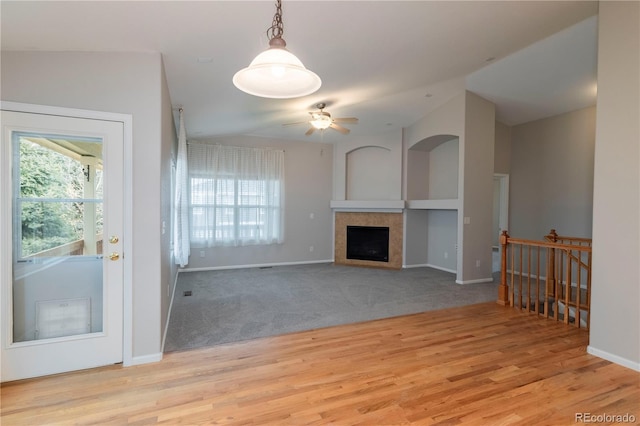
{"x": 432, "y": 168}
{"x": 369, "y": 174}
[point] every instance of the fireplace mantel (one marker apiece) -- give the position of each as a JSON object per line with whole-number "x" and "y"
{"x": 387, "y": 206}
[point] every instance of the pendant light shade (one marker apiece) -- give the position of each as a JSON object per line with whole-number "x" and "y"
{"x": 276, "y": 72}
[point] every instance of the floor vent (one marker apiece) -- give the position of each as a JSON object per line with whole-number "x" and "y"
{"x": 187, "y": 293}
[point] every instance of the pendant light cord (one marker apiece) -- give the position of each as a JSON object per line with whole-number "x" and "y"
{"x": 277, "y": 28}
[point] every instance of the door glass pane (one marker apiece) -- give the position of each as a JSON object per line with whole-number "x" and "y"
{"x": 58, "y": 225}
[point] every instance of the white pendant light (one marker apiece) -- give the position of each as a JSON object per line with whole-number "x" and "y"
{"x": 276, "y": 72}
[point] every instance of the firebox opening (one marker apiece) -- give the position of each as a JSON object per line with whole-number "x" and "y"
{"x": 368, "y": 243}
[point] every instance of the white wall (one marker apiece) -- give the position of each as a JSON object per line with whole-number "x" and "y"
{"x": 127, "y": 83}
{"x": 615, "y": 322}
{"x": 308, "y": 168}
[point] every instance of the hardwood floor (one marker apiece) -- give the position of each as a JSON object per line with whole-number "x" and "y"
{"x": 481, "y": 365}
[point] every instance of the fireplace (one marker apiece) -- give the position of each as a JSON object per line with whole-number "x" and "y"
{"x": 368, "y": 243}
{"x": 383, "y": 247}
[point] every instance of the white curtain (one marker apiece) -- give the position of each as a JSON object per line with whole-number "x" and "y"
{"x": 181, "y": 243}
{"x": 237, "y": 195}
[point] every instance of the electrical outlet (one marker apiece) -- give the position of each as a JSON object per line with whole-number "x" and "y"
{"x": 477, "y": 263}
{"x": 446, "y": 255}
{"x": 310, "y": 248}
{"x": 201, "y": 253}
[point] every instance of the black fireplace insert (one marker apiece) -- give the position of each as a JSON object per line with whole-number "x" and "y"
{"x": 368, "y": 243}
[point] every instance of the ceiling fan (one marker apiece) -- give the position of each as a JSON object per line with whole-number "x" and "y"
{"x": 321, "y": 120}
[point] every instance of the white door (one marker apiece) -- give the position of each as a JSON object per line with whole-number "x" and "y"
{"x": 62, "y": 228}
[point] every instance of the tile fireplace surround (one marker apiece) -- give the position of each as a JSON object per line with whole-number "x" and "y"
{"x": 391, "y": 220}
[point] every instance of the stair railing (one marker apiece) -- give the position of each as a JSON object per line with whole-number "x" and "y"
{"x": 551, "y": 278}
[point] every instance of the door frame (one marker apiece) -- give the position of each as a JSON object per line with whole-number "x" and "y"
{"x": 5, "y": 243}
{"x": 503, "y": 221}
{"x": 503, "y": 214}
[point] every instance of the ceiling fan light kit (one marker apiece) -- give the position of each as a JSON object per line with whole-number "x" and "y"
{"x": 322, "y": 120}
{"x": 276, "y": 72}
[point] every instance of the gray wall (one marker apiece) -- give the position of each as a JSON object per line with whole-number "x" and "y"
{"x": 502, "y": 150}
{"x": 415, "y": 237}
{"x": 383, "y": 153}
{"x": 442, "y": 237}
{"x": 443, "y": 171}
{"x": 615, "y": 322}
{"x": 308, "y": 188}
{"x": 169, "y": 152}
{"x": 477, "y": 193}
{"x": 472, "y": 119}
{"x": 127, "y": 83}
{"x": 552, "y": 176}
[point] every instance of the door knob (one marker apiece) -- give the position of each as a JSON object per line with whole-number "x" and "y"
{"x": 114, "y": 256}
{"x": 113, "y": 239}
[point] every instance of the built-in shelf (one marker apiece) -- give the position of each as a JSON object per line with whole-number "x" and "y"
{"x": 447, "y": 204}
{"x": 367, "y": 205}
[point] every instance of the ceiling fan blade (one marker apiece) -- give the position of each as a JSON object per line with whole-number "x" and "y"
{"x": 346, "y": 120}
{"x": 339, "y": 128}
{"x": 311, "y": 130}
{"x": 296, "y": 123}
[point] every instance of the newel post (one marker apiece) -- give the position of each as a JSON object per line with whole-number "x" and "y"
{"x": 503, "y": 289}
{"x": 551, "y": 267}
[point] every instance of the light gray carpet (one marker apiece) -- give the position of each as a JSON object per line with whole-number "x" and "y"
{"x": 241, "y": 304}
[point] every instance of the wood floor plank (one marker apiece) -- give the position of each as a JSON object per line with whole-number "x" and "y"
{"x": 478, "y": 365}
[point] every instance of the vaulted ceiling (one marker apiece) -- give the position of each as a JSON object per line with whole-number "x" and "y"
{"x": 386, "y": 62}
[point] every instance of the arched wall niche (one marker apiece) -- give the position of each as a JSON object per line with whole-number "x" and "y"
{"x": 369, "y": 175}
{"x": 433, "y": 168}
{"x": 431, "y": 142}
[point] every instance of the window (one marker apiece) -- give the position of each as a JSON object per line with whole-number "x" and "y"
{"x": 236, "y": 195}
{"x": 57, "y": 196}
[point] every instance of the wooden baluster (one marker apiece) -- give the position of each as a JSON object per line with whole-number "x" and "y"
{"x": 588, "y": 289}
{"x": 503, "y": 289}
{"x": 538, "y": 281}
{"x": 567, "y": 290}
{"x": 551, "y": 267}
{"x": 579, "y": 290}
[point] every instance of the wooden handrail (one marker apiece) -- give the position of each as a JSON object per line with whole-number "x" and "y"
{"x": 535, "y": 243}
{"x": 564, "y": 256}
{"x": 554, "y": 237}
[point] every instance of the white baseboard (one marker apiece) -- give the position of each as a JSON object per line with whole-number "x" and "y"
{"x": 261, "y": 265}
{"x": 145, "y": 359}
{"x": 634, "y": 365}
{"x": 440, "y": 268}
{"x": 478, "y": 281}
{"x": 422, "y": 265}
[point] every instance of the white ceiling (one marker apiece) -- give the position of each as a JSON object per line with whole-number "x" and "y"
{"x": 377, "y": 59}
